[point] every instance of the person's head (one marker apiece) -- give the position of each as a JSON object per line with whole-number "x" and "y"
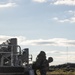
{"x": 50, "y": 59}
{"x": 42, "y": 53}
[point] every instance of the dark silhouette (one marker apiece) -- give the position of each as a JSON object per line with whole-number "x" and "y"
{"x": 41, "y": 63}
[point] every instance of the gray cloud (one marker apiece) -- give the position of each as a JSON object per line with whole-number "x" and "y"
{"x": 71, "y": 43}
{"x": 41, "y": 42}
{"x": 44, "y": 43}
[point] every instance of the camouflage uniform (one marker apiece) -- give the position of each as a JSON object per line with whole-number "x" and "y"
{"x": 42, "y": 64}
{"x": 39, "y": 63}
{"x": 44, "y": 67}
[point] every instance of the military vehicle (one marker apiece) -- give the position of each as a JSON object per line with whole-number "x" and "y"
{"x": 13, "y": 60}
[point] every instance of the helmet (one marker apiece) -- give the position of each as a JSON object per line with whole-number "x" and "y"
{"x": 42, "y": 53}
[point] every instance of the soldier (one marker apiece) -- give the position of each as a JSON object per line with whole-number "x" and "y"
{"x": 39, "y": 59}
{"x": 42, "y": 64}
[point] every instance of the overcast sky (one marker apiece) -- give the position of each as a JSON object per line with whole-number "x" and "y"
{"x": 47, "y": 25}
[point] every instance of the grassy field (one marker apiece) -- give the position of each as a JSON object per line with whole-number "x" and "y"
{"x": 57, "y": 73}
{"x": 60, "y": 72}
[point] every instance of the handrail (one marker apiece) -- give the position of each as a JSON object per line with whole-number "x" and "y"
{"x": 11, "y": 46}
